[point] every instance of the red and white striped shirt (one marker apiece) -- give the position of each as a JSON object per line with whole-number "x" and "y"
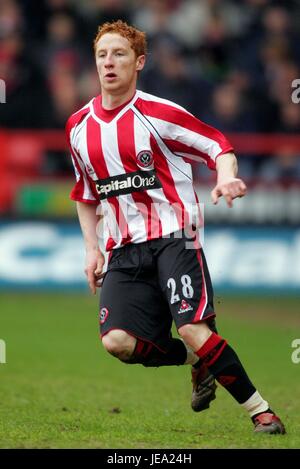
{"x": 135, "y": 161}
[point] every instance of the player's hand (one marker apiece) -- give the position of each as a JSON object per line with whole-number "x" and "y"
{"x": 230, "y": 189}
{"x": 93, "y": 270}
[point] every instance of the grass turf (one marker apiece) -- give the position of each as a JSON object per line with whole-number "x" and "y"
{"x": 59, "y": 389}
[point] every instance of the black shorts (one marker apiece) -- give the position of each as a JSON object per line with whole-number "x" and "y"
{"x": 148, "y": 285}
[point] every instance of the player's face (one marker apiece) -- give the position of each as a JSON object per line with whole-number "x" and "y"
{"x": 117, "y": 64}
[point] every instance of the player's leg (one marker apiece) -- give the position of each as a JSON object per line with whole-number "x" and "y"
{"x": 203, "y": 382}
{"x": 120, "y": 344}
{"x": 132, "y": 350}
{"x": 135, "y": 322}
{"x": 182, "y": 284}
{"x": 187, "y": 286}
{"x": 225, "y": 366}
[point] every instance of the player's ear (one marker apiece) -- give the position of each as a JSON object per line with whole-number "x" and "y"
{"x": 140, "y": 62}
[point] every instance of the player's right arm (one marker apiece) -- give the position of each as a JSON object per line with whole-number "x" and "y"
{"x": 94, "y": 259}
{"x": 86, "y": 203}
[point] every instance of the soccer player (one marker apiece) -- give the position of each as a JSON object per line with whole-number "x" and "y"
{"x": 132, "y": 152}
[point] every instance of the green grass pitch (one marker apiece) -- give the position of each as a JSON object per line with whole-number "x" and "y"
{"x": 59, "y": 389}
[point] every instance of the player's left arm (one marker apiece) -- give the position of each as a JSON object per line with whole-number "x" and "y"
{"x": 228, "y": 185}
{"x": 188, "y": 137}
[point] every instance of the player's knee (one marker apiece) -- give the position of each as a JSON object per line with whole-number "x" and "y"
{"x": 195, "y": 335}
{"x": 119, "y": 344}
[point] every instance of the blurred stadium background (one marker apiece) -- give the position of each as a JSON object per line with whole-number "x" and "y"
{"x": 230, "y": 62}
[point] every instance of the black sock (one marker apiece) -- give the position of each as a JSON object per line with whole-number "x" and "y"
{"x": 225, "y": 366}
{"x": 148, "y": 354}
{"x": 213, "y": 327}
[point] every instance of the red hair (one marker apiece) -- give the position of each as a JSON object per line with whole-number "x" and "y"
{"x": 136, "y": 38}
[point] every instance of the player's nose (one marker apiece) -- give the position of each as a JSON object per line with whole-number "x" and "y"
{"x": 108, "y": 62}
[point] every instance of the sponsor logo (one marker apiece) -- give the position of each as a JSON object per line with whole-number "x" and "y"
{"x": 145, "y": 160}
{"x": 127, "y": 183}
{"x": 184, "y": 307}
{"x": 103, "y": 315}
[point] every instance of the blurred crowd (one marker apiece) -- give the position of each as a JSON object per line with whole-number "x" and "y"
{"x": 230, "y": 62}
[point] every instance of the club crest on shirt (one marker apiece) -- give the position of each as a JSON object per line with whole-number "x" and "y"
{"x": 103, "y": 315}
{"x": 145, "y": 160}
